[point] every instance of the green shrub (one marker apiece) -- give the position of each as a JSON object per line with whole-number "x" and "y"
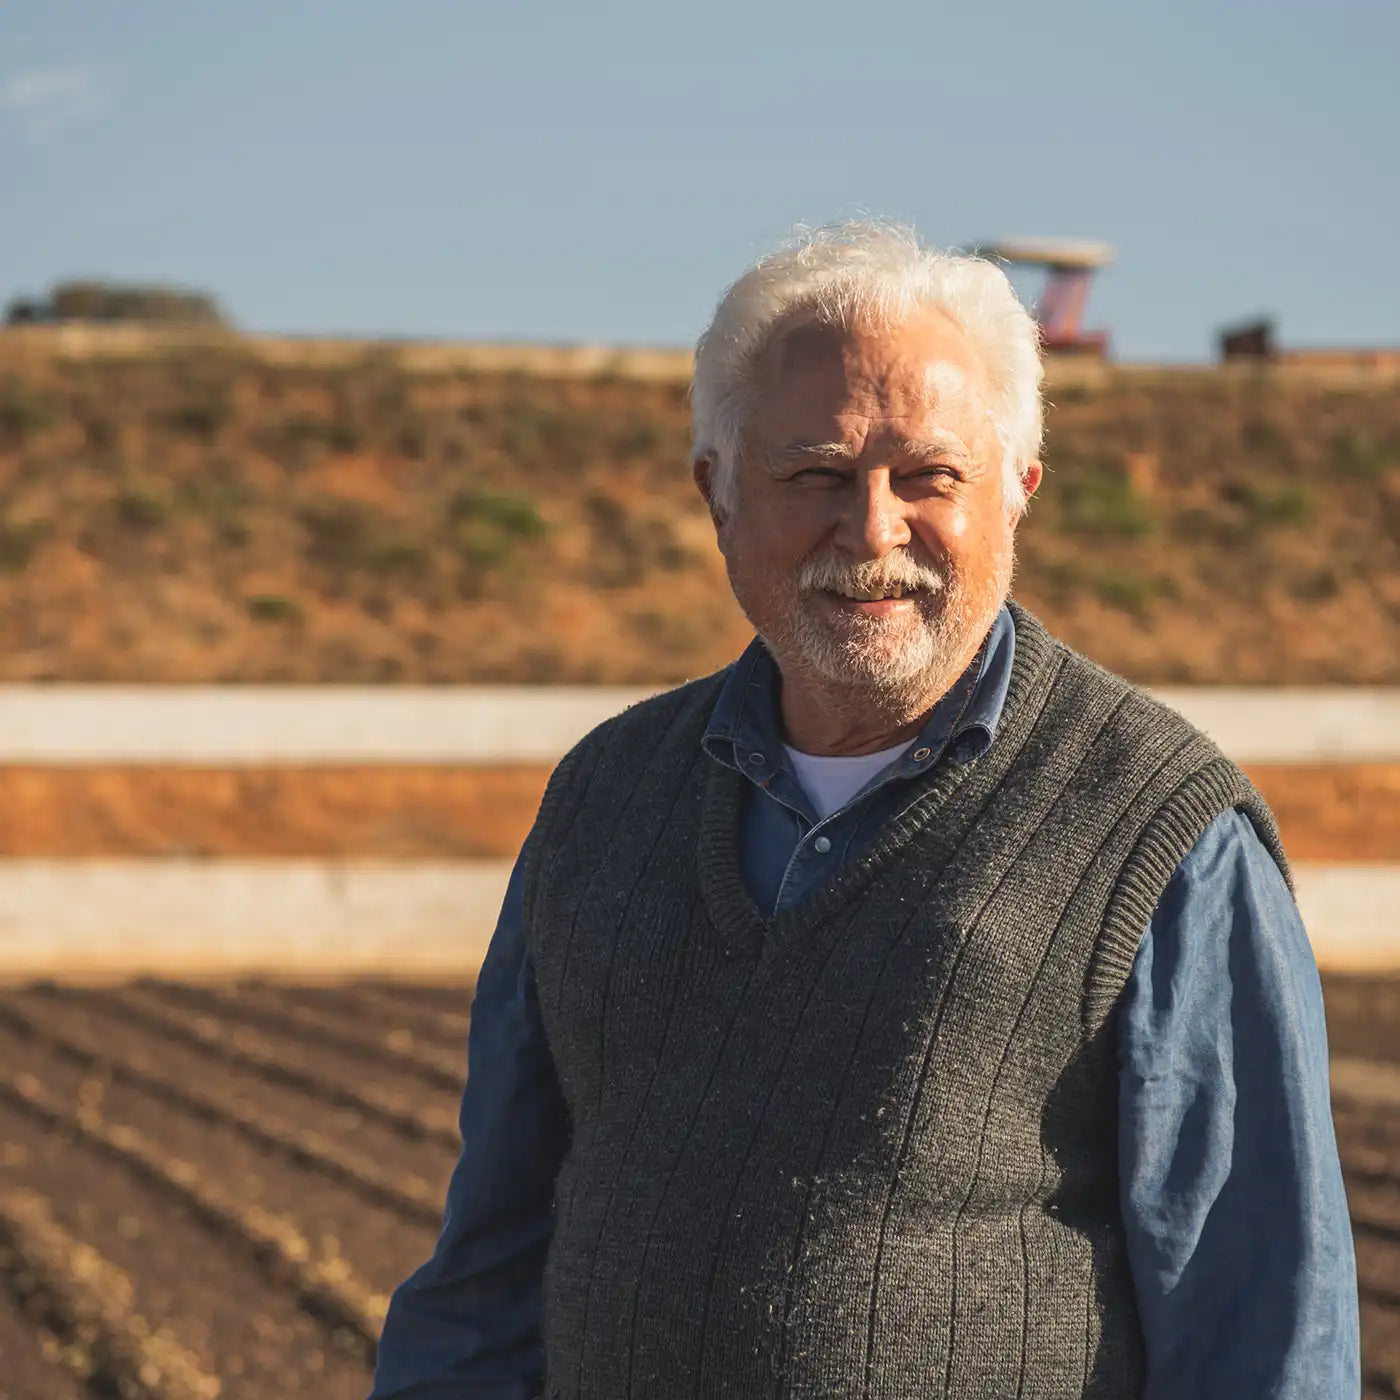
{"x": 1101, "y": 501}
{"x": 531, "y": 433}
{"x": 1357, "y": 453}
{"x": 100, "y": 432}
{"x": 339, "y": 533}
{"x": 201, "y": 418}
{"x": 347, "y": 538}
{"x": 1125, "y": 589}
{"x": 641, "y": 437}
{"x": 273, "y": 607}
{"x": 18, "y": 541}
{"x": 300, "y": 436}
{"x": 142, "y": 508}
{"x": 513, "y": 515}
{"x": 1269, "y": 503}
{"x": 1264, "y": 437}
{"x": 485, "y": 527}
{"x": 23, "y": 412}
{"x": 223, "y": 503}
{"x": 1316, "y": 586}
{"x": 392, "y": 555}
{"x": 411, "y": 440}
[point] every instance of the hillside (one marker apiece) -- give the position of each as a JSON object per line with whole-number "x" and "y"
{"x": 209, "y": 515}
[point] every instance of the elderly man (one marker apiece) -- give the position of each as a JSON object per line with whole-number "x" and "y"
{"x": 912, "y": 1008}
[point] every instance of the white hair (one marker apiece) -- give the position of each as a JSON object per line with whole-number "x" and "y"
{"x": 862, "y": 273}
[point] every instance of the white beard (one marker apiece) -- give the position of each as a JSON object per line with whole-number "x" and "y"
{"x": 898, "y": 662}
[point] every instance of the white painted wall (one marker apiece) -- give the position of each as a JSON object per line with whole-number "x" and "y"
{"x": 221, "y": 916}
{"x": 235, "y": 725}
{"x": 522, "y": 724}
{"x": 324, "y": 917}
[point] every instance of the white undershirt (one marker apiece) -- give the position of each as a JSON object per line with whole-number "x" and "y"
{"x": 831, "y": 782}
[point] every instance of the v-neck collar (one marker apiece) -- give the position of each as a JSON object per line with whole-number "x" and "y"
{"x": 733, "y": 912}
{"x": 744, "y": 732}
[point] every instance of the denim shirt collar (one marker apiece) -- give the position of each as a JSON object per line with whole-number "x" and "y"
{"x": 745, "y": 732}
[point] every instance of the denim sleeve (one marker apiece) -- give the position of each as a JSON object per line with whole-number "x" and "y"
{"x": 465, "y": 1326}
{"x": 1237, "y": 1226}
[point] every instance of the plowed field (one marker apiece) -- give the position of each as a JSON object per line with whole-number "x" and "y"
{"x": 210, "y": 1190}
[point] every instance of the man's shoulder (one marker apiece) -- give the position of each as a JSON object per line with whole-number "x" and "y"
{"x": 606, "y": 767}
{"x": 1138, "y": 718}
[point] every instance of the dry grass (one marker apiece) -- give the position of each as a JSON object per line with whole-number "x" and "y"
{"x": 213, "y": 516}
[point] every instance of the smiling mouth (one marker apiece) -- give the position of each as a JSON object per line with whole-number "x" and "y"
{"x": 871, "y": 595}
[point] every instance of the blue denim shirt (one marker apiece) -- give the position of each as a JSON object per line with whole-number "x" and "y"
{"x": 1231, "y": 1190}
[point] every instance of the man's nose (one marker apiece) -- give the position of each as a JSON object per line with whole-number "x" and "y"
{"x": 874, "y": 521}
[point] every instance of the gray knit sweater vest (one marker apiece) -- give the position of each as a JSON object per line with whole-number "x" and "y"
{"x": 866, "y": 1148}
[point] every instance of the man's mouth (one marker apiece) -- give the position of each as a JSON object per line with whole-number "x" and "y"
{"x": 874, "y": 595}
{"x": 885, "y": 603}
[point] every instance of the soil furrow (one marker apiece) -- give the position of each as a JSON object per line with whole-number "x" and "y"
{"x": 326, "y": 1286}
{"x": 333, "y": 1215}
{"x": 1380, "y": 1346}
{"x": 396, "y": 1153}
{"x": 440, "y": 996}
{"x": 1379, "y": 1385}
{"x": 260, "y": 1340}
{"x": 88, "y": 1301}
{"x": 412, "y": 1198}
{"x": 250, "y": 1006}
{"x": 1378, "y": 1227}
{"x": 366, "y": 1004}
{"x": 201, "y": 1157}
{"x": 36, "y": 1362}
{"x": 252, "y": 1052}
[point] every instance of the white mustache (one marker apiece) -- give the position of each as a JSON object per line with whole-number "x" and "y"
{"x": 832, "y": 574}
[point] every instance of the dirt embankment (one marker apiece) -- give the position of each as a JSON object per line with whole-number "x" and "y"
{"x": 1344, "y": 812}
{"x": 211, "y": 516}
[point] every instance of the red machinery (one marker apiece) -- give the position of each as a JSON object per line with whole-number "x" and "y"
{"x": 1070, "y": 267}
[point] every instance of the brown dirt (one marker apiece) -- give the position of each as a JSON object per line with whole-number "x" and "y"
{"x": 240, "y": 1317}
{"x": 1344, "y": 812}
{"x": 425, "y": 812}
{"x": 31, "y": 1357}
{"x": 1335, "y": 812}
{"x": 211, "y": 516}
{"x": 1363, "y": 1015}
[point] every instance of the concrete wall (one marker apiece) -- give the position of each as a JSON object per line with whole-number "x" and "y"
{"x": 316, "y": 916}
{"x": 320, "y": 918}
{"x": 523, "y": 724}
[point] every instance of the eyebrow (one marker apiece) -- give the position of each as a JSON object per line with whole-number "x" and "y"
{"x": 943, "y": 445}
{"x": 829, "y": 451}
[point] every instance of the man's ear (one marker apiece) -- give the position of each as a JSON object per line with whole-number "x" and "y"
{"x": 702, "y": 470}
{"x": 1032, "y": 477}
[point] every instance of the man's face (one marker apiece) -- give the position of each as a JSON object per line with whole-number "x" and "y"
{"x": 871, "y": 546}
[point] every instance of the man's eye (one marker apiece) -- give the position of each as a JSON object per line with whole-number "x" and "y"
{"x": 824, "y": 473}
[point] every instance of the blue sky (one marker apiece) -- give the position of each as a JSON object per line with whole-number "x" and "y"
{"x": 597, "y": 171}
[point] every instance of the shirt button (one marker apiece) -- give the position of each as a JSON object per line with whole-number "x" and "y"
{"x": 921, "y": 754}
{"x": 822, "y": 845}
{"x": 758, "y": 759}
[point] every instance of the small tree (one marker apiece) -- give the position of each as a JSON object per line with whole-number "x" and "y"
{"x": 117, "y": 302}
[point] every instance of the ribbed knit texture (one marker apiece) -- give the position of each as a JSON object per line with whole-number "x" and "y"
{"x": 866, "y": 1148}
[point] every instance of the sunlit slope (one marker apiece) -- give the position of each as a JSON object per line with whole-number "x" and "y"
{"x": 211, "y": 514}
